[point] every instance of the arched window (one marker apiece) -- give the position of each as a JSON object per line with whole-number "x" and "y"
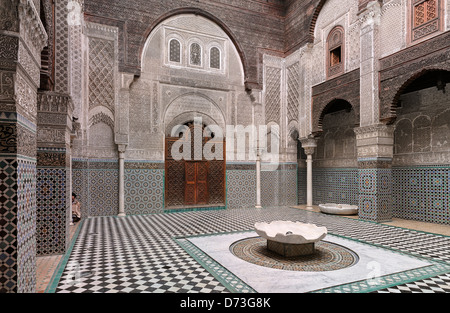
{"x": 175, "y": 51}
{"x": 336, "y": 56}
{"x": 196, "y": 54}
{"x": 214, "y": 58}
{"x": 425, "y": 18}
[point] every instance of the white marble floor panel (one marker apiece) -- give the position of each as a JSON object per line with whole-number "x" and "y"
{"x": 373, "y": 262}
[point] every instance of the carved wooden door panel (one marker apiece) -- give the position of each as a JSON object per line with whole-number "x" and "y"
{"x": 202, "y": 183}
{"x": 175, "y": 178}
{"x": 190, "y": 183}
{"x": 196, "y": 184}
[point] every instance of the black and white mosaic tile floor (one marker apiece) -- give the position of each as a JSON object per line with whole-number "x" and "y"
{"x": 143, "y": 253}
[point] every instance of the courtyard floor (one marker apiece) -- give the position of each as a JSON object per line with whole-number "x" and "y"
{"x": 189, "y": 252}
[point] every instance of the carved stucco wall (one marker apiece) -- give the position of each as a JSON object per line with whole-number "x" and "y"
{"x": 422, "y": 129}
{"x": 393, "y": 26}
{"x": 337, "y": 145}
{"x": 102, "y": 92}
{"x": 283, "y": 94}
{"x": 334, "y": 13}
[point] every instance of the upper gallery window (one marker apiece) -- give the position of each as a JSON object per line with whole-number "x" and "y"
{"x": 425, "y": 18}
{"x": 335, "y": 58}
{"x": 175, "y": 51}
{"x": 196, "y": 54}
{"x": 214, "y": 58}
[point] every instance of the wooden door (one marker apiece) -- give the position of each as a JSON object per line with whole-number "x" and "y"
{"x": 196, "y": 184}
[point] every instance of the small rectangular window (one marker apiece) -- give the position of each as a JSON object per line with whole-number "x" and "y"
{"x": 335, "y": 56}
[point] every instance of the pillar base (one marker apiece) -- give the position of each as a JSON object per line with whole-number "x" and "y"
{"x": 375, "y": 192}
{"x": 291, "y": 250}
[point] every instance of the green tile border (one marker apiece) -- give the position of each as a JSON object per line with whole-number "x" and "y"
{"x": 199, "y": 209}
{"x": 233, "y": 283}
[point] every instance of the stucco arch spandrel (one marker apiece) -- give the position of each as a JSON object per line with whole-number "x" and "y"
{"x": 189, "y": 106}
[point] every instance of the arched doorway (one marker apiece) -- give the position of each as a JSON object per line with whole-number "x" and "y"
{"x": 335, "y": 178}
{"x": 195, "y": 167}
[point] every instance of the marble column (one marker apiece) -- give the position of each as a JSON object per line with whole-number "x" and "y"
{"x": 122, "y": 149}
{"x": 309, "y": 145}
{"x": 122, "y": 133}
{"x": 258, "y": 180}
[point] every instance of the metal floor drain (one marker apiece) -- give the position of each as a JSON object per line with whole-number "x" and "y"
{"x": 87, "y": 274}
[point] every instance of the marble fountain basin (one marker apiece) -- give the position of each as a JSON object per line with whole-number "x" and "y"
{"x": 338, "y": 209}
{"x": 291, "y": 239}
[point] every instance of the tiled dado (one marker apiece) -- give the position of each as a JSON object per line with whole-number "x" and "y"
{"x": 301, "y": 185}
{"x": 17, "y": 204}
{"x": 96, "y": 183}
{"x": 17, "y": 224}
{"x": 332, "y": 185}
{"x": 52, "y": 202}
{"x": 422, "y": 193}
{"x": 375, "y": 195}
{"x": 375, "y": 189}
{"x": 26, "y": 225}
{"x": 241, "y": 188}
{"x": 278, "y": 187}
{"x": 144, "y": 188}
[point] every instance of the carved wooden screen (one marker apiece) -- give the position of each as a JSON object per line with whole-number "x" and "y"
{"x": 216, "y": 178}
{"x": 175, "y": 177}
{"x": 425, "y": 18}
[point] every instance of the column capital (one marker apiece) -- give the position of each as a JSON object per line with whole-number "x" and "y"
{"x": 122, "y": 148}
{"x": 382, "y": 129}
{"x": 370, "y": 12}
{"x": 126, "y": 80}
{"x": 309, "y": 145}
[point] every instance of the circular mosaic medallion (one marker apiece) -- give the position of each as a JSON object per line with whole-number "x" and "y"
{"x": 327, "y": 257}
